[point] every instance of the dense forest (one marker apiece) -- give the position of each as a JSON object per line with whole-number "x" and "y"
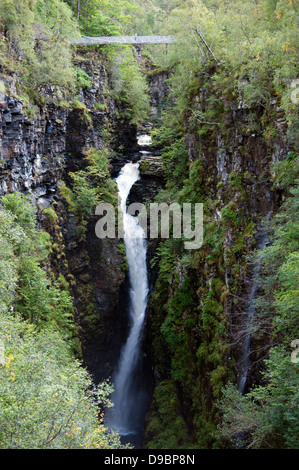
{"x": 225, "y": 130}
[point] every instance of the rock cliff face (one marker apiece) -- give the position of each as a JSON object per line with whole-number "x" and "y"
{"x": 158, "y": 91}
{"x": 197, "y": 316}
{"x": 236, "y": 169}
{"x": 37, "y": 153}
{"x": 32, "y": 150}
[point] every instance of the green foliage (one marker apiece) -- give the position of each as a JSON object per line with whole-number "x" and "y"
{"x": 51, "y": 215}
{"x": 223, "y": 59}
{"x": 229, "y": 214}
{"x": 268, "y": 415}
{"x": 88, "y": 303}
{"x": 36, "y": 298}
{"x": 47, "y": 398}
{"x": 98, "y": 172}
{"x": 82, "y": 79}
{"x": 286, "y": 171}
{"x": 100, "y": 106}
{"x": 128, "y": 83}
{"x": 90, "y": 187}
{"x": 248, "y": 54}
{"x": 229, "y": 56}
{"x": 102, "y": 17}
{"x": 167, "y": 428}
{"x": 278, "y": 306}
{"x": 175, "y": 160}
{"x": 40, "y": 43}
{"x": 82, "y": 108}
{"x": 121, "y": 250}
{"x": 85, "y": 193}
{"x": 167, "y": 258}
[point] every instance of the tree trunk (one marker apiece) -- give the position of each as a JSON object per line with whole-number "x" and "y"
{"x": 78, "y": 10}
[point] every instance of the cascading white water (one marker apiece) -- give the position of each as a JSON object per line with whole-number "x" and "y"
{"x": 144, "y": 140}
{"x": 121, "y": 416}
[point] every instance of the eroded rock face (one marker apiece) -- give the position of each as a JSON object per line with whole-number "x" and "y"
{"x": 236, "y": 164}
{"x": 158, "y": 91}
{"x": 233, "y": 163}
{"x": 151, "y": 166}
{"x": 103, "y": 314}
{"x": 37, "y": 151}
{"x": 36, "y": 155}
{"x": 151, "y": 181}
{"x": 32, "y": 151}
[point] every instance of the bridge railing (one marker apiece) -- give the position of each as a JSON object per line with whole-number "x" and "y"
{"x": 125, "y": 40}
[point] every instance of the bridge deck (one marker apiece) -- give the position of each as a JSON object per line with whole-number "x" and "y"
{"x": 125, "y": 40}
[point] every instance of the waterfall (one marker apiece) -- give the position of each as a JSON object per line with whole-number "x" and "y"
{"x": 250, "y": 313}
{"x": 127, "y": 398}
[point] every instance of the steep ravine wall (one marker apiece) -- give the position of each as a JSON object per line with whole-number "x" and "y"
{"x": 37, "y": 150}
{"x": 197, "y": 317}
{"x": 37, "y": 154}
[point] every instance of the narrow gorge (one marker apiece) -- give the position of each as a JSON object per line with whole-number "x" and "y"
{"x": 133, "y": 340}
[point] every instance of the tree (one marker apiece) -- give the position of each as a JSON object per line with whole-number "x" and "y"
{"x": 37, "y": 31}
{"x": 129, "y": 83}
{"x": 101, "y": 17}
{"x": 47, "y": 399}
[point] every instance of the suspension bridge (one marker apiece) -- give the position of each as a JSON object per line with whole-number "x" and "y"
{"x": 87, "y": 40}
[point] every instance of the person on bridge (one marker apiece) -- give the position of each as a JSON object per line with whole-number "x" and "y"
{"x": 135, "y": 37}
